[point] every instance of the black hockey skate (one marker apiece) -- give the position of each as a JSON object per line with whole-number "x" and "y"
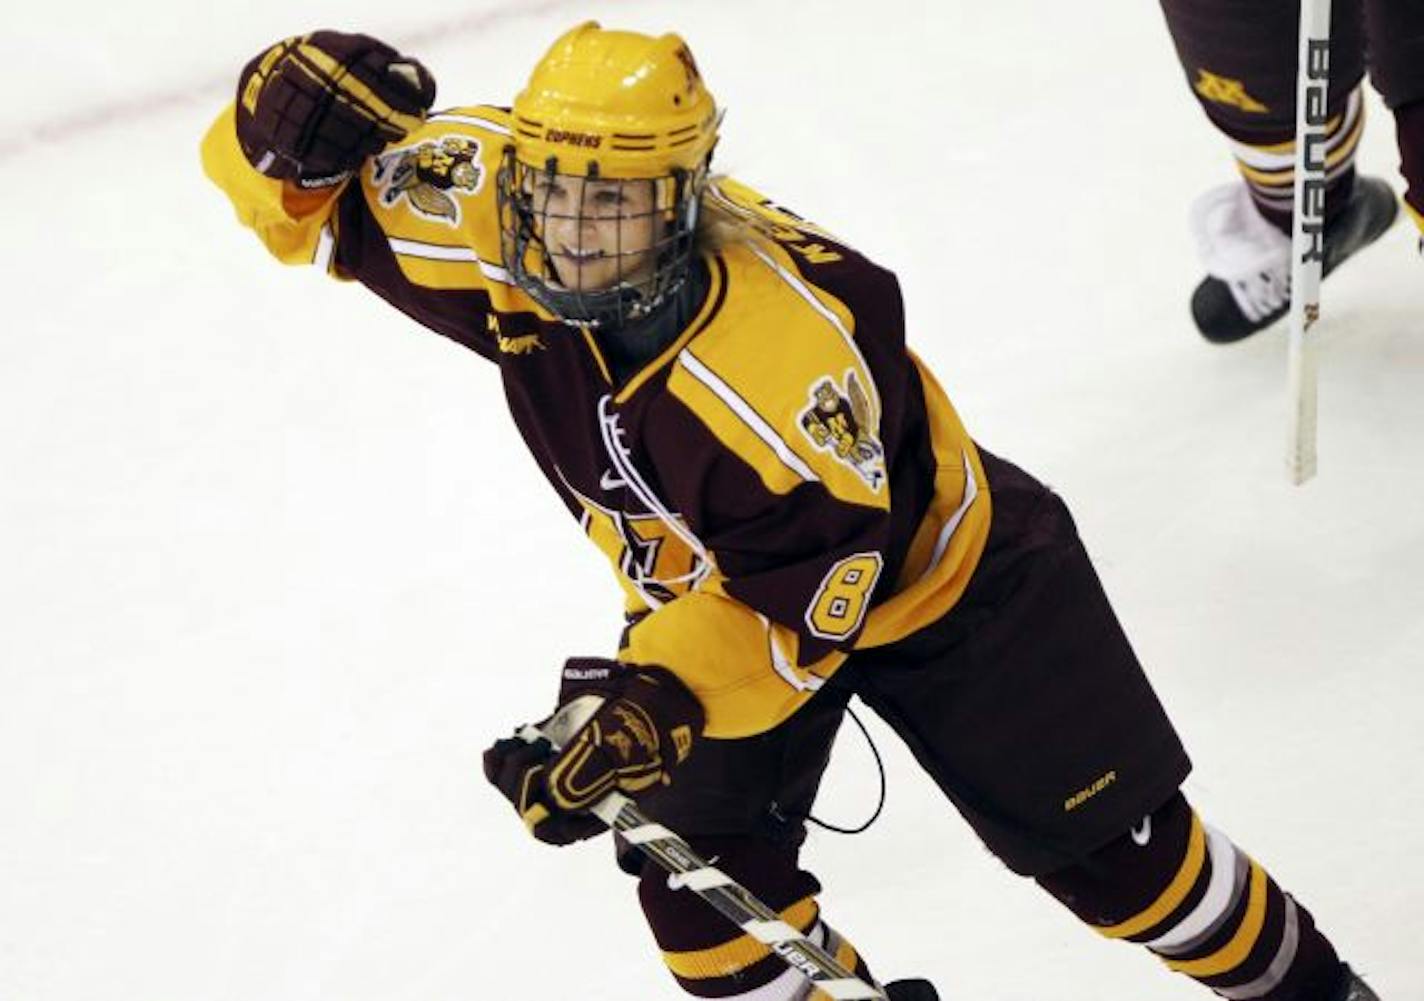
{"x": 1351, "y": 988}
{"x": 923, "y": 990}
{"x": 1248, "y": 260}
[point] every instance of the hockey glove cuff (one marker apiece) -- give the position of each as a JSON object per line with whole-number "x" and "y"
{"x": 311, "y": 109}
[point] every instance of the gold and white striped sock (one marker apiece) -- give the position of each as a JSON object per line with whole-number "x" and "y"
{"x": 1269, "y": 170}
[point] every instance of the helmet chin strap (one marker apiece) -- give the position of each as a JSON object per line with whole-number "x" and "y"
{"x": 604, "y": 308}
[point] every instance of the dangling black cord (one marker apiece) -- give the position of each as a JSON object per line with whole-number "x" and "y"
{"x": 879, "y": 766}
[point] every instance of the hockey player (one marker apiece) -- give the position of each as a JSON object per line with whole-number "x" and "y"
{"x": 1240, "y": 57}
{"x": 721, "y": 394}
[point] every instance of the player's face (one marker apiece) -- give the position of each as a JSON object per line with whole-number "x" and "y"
{"x": 598, "y": 233}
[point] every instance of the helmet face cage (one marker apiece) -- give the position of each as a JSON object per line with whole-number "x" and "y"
{"x": 646, "y": 273}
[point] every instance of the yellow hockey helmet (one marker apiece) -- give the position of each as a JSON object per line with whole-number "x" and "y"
{"x": 615, "y": 104}
{"x": 606, "y": 108}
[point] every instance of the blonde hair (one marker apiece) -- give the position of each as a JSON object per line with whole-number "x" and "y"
{"x": 720, "y": 224}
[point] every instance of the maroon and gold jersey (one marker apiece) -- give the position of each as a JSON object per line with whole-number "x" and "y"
{"x": 783, "y": 484}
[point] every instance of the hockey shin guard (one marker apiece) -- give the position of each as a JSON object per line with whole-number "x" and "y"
{"x": 1204, "y": 907}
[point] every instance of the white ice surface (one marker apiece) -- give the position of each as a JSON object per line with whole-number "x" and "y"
{"x": 263, "y": 603}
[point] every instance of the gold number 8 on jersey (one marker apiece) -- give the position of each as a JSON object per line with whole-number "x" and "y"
{"x": 843, "y": 597}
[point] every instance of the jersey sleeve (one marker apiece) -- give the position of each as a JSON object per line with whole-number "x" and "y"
{"x": 417, "y": 224}
{"x": 288, "y": 220}
{"x": 811, "y": 562}
{"x": 812, "y": 567}
{"x": 735, "y": 660}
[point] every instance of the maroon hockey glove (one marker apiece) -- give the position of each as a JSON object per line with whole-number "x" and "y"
{"x": 518, "y": 769}
{"x": 311, "y": 109}
{"x": 643, "y": 730}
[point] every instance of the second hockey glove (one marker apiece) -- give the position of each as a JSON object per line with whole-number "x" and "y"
{"x": 643, "y": 730}
{"x": 518, "y": 769}
{"x": 311, "y": 109}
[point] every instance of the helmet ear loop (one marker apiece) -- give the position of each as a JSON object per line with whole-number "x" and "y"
{"x": 518, "y": 229}
{"x": 665, "y": 271}
{"x": 618, "y": 253}
{"x": 550, "y": 268}
{"x": 579, "y": 220}
{"x": 674, "y": 244}
{"x": 651, "y": 288}
{"x": 507, "y": 209}
{"x": 684, "y": 213}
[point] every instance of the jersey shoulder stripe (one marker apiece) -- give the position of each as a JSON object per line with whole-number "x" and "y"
{"x": 495, "y": 121}
{"x": 738, "y": 424}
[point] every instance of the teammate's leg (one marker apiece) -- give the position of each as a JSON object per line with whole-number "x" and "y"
{"x": 1209, "y": 911}
{"x": 1240, "y": 59}
{"x": 1396, "y": 33}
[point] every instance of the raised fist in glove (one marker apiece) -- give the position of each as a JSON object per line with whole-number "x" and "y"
{"x": 311, "y": 109}
{"x": 643, "y": 729}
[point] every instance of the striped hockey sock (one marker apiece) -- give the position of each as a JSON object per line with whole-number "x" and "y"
{"x": 747, "y": 969}
{"x": 1269, "y": 169}
{"x": 1208, "y": 910}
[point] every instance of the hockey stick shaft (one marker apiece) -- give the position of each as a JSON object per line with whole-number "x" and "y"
{"x": 689, "y": 870}
{"x": 1308, "y": 234}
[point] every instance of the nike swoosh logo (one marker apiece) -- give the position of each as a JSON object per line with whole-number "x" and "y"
{"x": 610, "y": 480}
{"x": 1143, "y": 833}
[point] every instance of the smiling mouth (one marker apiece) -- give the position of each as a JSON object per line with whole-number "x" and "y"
{"x": 582, "y": 256}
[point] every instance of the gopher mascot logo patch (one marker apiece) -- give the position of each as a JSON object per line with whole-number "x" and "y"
{"x": 839, "y": 421}
{"x": 432, "y": 176}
